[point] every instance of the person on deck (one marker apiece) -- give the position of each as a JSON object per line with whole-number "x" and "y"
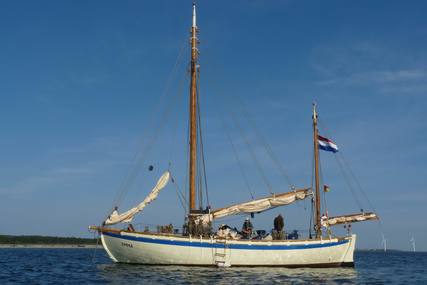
{"x": 131, "y": 228}
{"x": 247, "y": 228}
{"x": 278, "y": 226}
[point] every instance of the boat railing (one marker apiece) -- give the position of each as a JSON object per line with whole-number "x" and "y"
{"x": 158, "y": 229}
{"x": 168, "y": 230}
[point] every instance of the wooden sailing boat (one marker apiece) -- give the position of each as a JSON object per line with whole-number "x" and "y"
{"x": 199, "y": 246}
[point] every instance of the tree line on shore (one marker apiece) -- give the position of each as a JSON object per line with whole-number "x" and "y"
{"x": 10, "y": 239}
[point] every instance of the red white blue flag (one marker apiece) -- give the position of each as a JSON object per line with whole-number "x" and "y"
{"x": 327, "y": 144}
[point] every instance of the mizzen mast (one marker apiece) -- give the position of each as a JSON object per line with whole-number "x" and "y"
{"x": 193, "y": 113}
{"x": 318, "y": 226}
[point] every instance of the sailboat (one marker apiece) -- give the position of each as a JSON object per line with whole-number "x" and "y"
{"x": 198, "y": 245}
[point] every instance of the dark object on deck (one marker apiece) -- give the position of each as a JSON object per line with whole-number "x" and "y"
{"x": 293, "y": 235}
{"x": 150, "y": 168}
{"x": 279, "y": 223}
{"x": 261, "y": 234}
{"x": 167, "y": 229}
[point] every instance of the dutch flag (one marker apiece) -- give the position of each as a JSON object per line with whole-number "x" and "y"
{"x": 327, "y": 144}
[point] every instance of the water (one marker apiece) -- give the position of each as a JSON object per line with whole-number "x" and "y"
{"x": 77, "y": 266}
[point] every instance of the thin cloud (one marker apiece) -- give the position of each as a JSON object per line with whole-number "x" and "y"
{"x": 378, "y": 77}
{"x": 92, "y": 158}
{"x": 368, "y": 65}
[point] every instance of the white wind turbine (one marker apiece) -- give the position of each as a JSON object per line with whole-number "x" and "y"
{"x": 384, "y": 243}
{"x": 412, "y": 240}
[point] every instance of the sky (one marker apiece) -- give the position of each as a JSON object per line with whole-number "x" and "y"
{"x": 88, "y": 87}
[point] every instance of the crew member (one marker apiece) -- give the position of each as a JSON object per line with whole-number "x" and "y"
{"x": 247, "y": 228}
{"x": 278, "y": 226}
{"x": 131, "y": 228}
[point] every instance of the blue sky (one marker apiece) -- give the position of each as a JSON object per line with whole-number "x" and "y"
{"x": 84, "y": 85}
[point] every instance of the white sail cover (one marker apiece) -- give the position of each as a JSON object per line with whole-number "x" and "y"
{"x": 127, "y": 216}
{"x": 347, "y": 219}
{"x": 256, "y": 206}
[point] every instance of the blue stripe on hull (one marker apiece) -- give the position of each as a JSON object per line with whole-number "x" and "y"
{"x": 231, "y": 246}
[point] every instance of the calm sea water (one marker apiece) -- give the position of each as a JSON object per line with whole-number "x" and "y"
{"x": 87, "y": 266}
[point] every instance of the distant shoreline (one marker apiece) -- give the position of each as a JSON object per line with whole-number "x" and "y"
{"x": 35, "y": 241}
{"x": 63, "y": 246}
{"x": 59, "y": 246}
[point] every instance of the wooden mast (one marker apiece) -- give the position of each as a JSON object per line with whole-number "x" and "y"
{"x": 316, "y": 173}
{"x": 193, "y": 113}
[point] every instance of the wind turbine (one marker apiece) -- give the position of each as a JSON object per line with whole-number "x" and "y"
{"x": 412, "y": 240}
{"x": 384, "y": 243}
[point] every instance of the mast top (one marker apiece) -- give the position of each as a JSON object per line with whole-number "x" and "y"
{"x": 194, "y": 15}
{"x": 314, "y": 113}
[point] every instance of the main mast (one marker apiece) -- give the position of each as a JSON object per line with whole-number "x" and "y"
{"x": 193, "y": 113}
{"x": 316, "y": 173}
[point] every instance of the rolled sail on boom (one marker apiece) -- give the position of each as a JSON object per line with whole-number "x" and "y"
{"x": 127, "y": 216}
{"x": 256, "y": 206}
{"x": 347, "y": 219}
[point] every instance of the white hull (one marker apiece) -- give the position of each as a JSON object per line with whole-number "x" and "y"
{"x": 131, "y": 247}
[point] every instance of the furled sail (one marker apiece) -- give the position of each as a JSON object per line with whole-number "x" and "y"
{"x": 256, "y": 206}
{"x": 127, "y": 216}
{"x": 347, "y": 219}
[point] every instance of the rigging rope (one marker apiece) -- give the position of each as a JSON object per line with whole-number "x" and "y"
{"x": 268, "y": 148}
{"x": 175, "y": 127}
{"x": 95, "y": 235}
{"x": 181, "y": 197}
{"x": 138, "y": 159}
{"x": 356, "y": 180}
{"x": 312, "y": 187}
{"x": 322, "y": 183}
{"x": 187, "y": 157}
{"x": 201, "y": 138}
{"x": 239, "y": 163}
{"x": 199, "y": 181}
{"x": 254, "y": 157}
{"x": 342, "y": 169}
{"x": 264, "y": 143}
{"x": 347, "y": 180}
{"x": 361, "y": 190}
